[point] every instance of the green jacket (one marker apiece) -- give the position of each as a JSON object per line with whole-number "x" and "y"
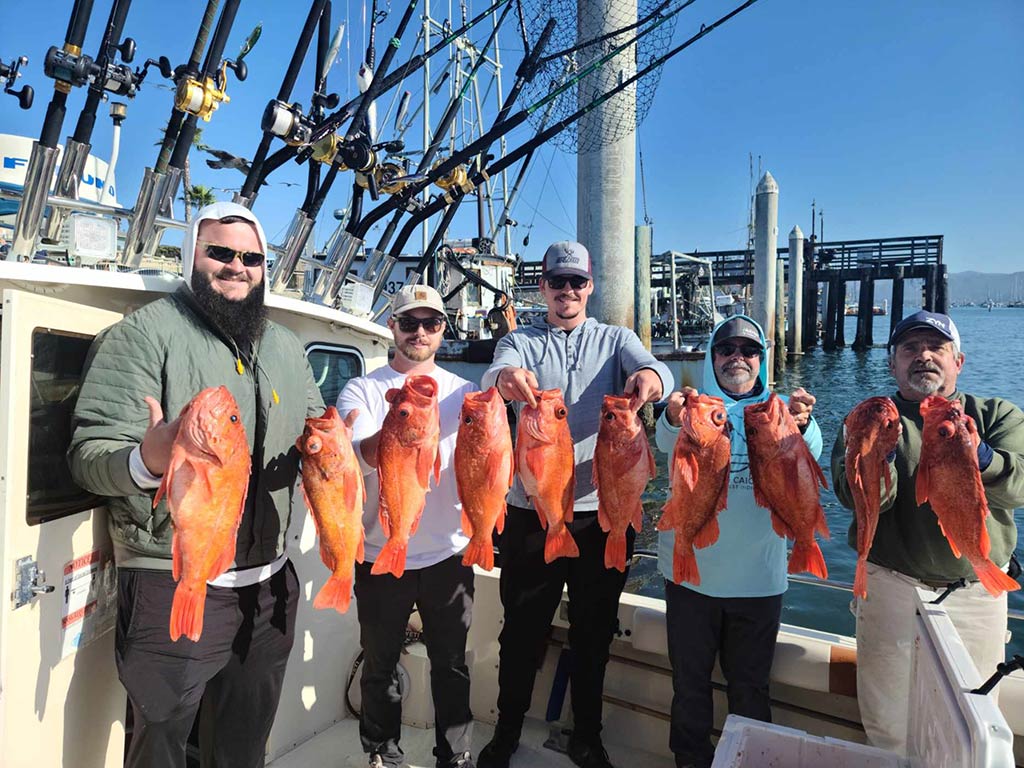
{"x": 168, "y": 350}
{"x": 908, "y": 538}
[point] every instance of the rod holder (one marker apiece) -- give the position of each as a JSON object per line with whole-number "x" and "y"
{"x": 40, "y": 168}
{"x": 68, "y": 178}
{"x": 295, "y": 241}
{"x": 336, "y": 268}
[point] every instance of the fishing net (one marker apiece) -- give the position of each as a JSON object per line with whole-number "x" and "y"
{"x": 578, "y": 23}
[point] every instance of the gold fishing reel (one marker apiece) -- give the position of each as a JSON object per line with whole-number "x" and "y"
{"x": 202, "y": 97}
{"x": 325, "y": 150}
{"x": 458, "y": 177}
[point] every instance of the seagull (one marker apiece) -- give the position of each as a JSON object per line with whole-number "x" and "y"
{"x": 226, "y": 160}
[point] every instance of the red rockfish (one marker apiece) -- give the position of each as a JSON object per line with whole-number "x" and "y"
{"x": 699, "y": 481}
{"x": 871, "y": 431}
{"x": 332, "y": 482}
{"x": 407, "y": 453}
{"x": 206, "y": 483}
{"x": 547, "y": 467}
{"x": 623, "y": 465}
{"x": 483, "y": 472}
{"x": 786, "y": 479}
{"x": 949, "y": 479}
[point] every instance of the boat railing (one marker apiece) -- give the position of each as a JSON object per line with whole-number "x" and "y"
{"x": 843, "y": 586}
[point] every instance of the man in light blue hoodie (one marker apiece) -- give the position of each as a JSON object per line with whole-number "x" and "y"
{"x": 734, "y": 613}
{"x": 586, "y": 360}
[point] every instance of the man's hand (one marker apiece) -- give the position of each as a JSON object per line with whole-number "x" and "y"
{"x": 517, "y": 384}
{"x": 159, "y": 437}
{"x": 644, "y": 386}
{"x": 676, "y": 402}
{"x": 801, "y": 403}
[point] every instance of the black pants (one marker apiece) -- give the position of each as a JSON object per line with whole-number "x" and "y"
{"x": 236, "y": 668}
{"x": 443, "y": 593}
{"x": 742, "y": 632}
{"x": 530, "y": 593}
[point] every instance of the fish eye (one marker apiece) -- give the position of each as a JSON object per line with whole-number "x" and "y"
{"x": 468, "y": 420}
{"x": 609, "y": 416}
{"x": 560, "y": 412}
{"x": 234, "y": 418}
{"x": 403, "y": 412}
{"x": 718, "y": 417}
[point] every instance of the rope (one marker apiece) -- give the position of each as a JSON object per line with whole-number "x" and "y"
{"x": 643, "y": 182}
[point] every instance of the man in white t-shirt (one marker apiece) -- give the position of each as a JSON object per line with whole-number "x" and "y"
{"x": 435, "y": 580}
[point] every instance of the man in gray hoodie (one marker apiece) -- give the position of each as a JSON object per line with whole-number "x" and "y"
{"x": 586, "y": 360}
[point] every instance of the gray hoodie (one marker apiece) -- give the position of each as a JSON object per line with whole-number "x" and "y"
{"x": 591, "y": 361}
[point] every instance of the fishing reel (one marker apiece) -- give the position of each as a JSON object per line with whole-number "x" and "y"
{"x": 458, "y": 177}
{"x": 202, "y": 96}
{"x": 390, "y": 177}
{"x": 287, "y": 122}
{"x": 10, "y": 73}
{"x": 71, "y": 69}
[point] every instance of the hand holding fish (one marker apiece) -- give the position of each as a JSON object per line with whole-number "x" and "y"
{"x": 801, "y": 403}
{"x": 644, "y": 386}
{"x": 676, "y": 403}
{"x": 156, "y": 443}
{"x": 518, "y": 384}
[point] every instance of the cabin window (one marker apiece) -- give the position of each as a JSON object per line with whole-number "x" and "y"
{"x": 333, "y": 366}
{"x": 57, "y": 362}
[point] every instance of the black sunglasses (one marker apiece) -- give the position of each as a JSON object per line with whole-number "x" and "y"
{"x": 575, "y": 282}
{"x": 728, "y": 350}
{"x": 429, "y": 324}
{"x": 226, "y": 255}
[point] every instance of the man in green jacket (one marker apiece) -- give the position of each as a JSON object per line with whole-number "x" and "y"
{"x": 213, "y": 331}
{"x": 909, "y": 550}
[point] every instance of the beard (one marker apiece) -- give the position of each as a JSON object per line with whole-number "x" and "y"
{"x": 737, "y": 376}
{"x": 927, "y": 384}
{"x": 243, "y": 320}
{"x": 416, "y": 354}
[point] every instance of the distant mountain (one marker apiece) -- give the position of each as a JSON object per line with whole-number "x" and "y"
{"x": 981, "y": 286}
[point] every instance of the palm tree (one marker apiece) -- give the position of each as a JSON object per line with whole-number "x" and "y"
{"x": 197, "y": 142}
{"x": 197, "y": 197}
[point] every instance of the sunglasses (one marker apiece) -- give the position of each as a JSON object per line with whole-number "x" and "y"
{"x": 411, "y": 324}
{"x": 575, "y": 282}
{"x": 226, "y": 255}
{"x": 728, "y": 350}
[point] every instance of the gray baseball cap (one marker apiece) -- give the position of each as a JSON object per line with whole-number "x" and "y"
{"x": 566, "y": 258}
{"x": 738, "y": 327}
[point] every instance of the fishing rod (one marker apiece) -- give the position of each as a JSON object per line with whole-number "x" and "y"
{"x": 10, "y": 73}
{"x": 104, "y": 75}
{"x": 439, "y": 203}
{"x": 62, "y": 65}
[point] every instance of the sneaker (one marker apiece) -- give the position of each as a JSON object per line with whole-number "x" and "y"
{"x": 461, "y": 760}
{"x": 499, "y": 750}
{"x": 376, "y": 761}
{"x": 589, "y": 753}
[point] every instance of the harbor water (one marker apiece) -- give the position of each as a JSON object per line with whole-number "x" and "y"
{"x": 993, "y": 343}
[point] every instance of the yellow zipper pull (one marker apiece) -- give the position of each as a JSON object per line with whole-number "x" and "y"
{"x": 273, "y": 394}
{"x": 239, "y": 367}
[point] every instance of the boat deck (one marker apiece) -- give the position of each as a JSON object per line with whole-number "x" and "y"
{"x": 339, "y": 746}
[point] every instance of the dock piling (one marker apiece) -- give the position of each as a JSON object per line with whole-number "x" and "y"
{"x": 794, "y": 338}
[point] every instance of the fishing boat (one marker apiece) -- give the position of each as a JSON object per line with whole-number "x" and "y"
{"x": 61, "y": 703}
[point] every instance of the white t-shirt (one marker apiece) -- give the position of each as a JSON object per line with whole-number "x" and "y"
{"x": 439, "y": 535}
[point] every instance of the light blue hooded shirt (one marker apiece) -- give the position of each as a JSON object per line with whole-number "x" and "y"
{"x": 749, "y": 558}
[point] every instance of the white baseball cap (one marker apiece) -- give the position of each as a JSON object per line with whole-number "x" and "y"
{"x": 415, "y": 297}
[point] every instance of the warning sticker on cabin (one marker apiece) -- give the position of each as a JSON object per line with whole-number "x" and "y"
{"x": 89, "y": 609}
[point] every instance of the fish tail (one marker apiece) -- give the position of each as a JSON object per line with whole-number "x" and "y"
{"x": 807, "y": 558}
{"x": 336, "y": 593}
{"x": 860, "y": 580}
{"x": 479, "y": 552}
{"x": 684, "y": 563}
{"x": 391, "y": 559}
{"x": 993, "y": 579}
{"x": 187, "y": 610}
{"x": 615, "y": 551}
{"x": 559, "y": 543}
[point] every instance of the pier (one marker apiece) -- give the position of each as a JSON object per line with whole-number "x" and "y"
{"x": 828, "y": 269}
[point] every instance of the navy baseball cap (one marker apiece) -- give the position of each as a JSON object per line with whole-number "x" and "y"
{"x": 738, "y": 327}
{"x": 942, "y": 324}
{"x": 566, "y": 258}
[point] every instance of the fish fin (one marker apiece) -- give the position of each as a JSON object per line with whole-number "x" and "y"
{"x": 227, "y": 556}
{"x": 479, "y": 553}
{"x": 391, "y": 559}
{"x": 540, "y": 514}
{"x": 175, "y": 557}
{"x": 860, "y": 580}
{"x": 467, "y": 524}
{"x": 560, "y": 544}
{"x": 993, "y": 579}
{"x": 688, "y": 469}
{"x": 569, "y": 496}
{"x": 305, "y": 498}
{"x": 667, "y": 521}
{"x": 602, "y": 515}
{"x": 165, "y": 484}
{"x": 496, "y": 469}
{"x": 652, "y": 466}
{"x": 723, "y": 494}
{"x": 416, "y": 520}
{"x": 684, "y": 563}
{"x": 821, "y": 524}
{"x": 437, "y": 466}
{"x": 336, "y": 594}
{"x": 361, "y": 547}
{"x": 424, "y": 467}
{"x": 817, "y": 469}
{"x": 615, "y": 551}
{"x": 385, "y": 519}
{"x": 499, "y": 524}
{"x": 921, "y": 485}
{"x": 952, "y": 544}
{"x": 707, "y": 535}
{"x": 187, "y": 611}
{"x": 327, "y": 557}
{"x": 759, "y": 496}
{"x": 638, "y": 517}
{"x": 807, "y": 558}
{"x": 781, "y": 527}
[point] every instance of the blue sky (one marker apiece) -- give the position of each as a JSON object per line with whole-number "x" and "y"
{"x": 898, "y": 118}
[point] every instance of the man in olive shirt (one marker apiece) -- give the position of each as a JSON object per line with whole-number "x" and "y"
{"x": 909, "y": 549}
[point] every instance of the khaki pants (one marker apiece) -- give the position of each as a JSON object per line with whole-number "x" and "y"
{"x": 885, "y": 637}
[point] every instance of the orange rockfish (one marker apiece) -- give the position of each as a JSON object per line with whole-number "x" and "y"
{"x": 483, "y": 472}
{"x": 206, "y": 483}
{"x": 786, "y": 479}
{"x": 871, "y": 431}
{"x": 623, "y": 464}
{"x": 699, "y": 480}
{"x": 547, "y": 467}
{"x": 948, "y": 478}
{"x": 407, "y": 452}
{"x": 332, "y": 482}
